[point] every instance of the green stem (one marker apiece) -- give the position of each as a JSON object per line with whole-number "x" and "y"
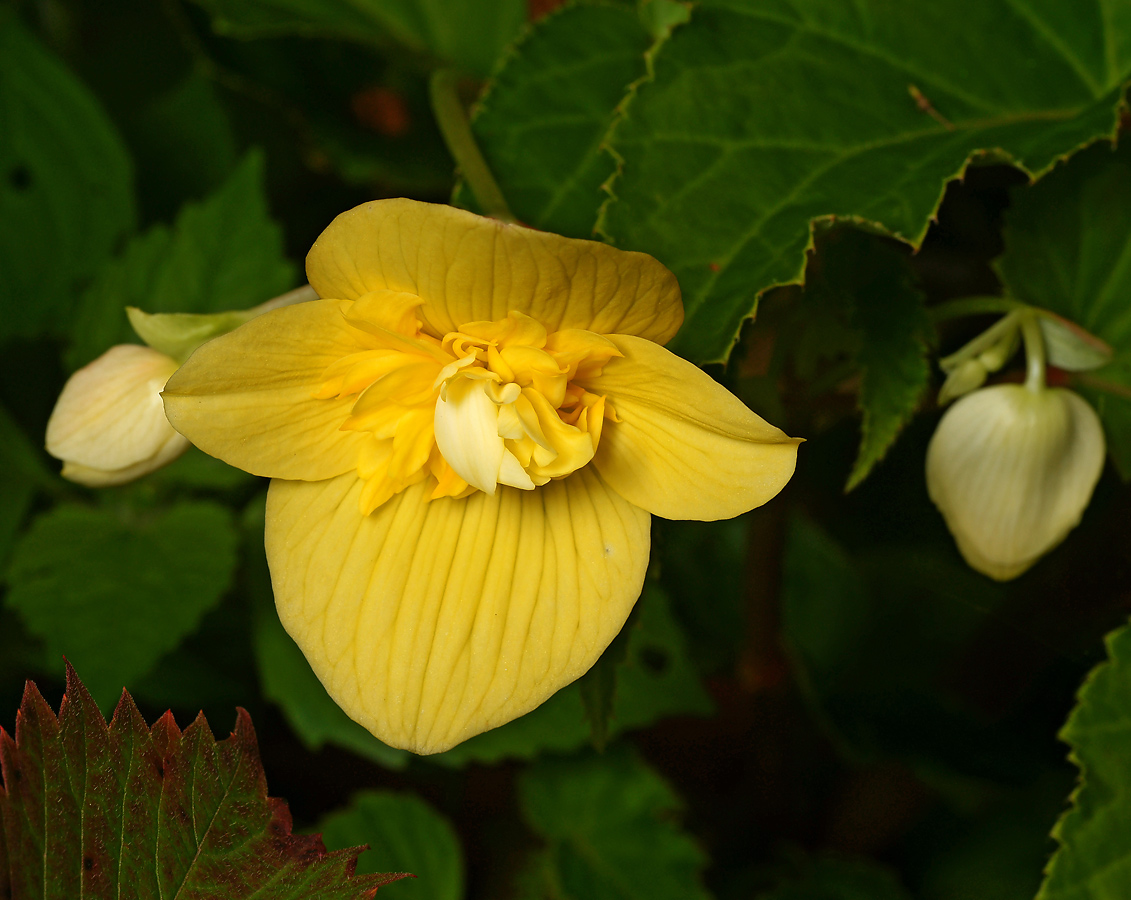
{"x": 450, "y": 116}
{"x": 972, "y": 306}
{"x": 1034, "y": 353}
{"x": 981, "y": 343}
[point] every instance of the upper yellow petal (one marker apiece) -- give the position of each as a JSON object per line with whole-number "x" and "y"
{"x": 682, "y": 446}
{"x": 429, "y": 622}
{"x": 248, "y": 397}
{"x": 467, "y": 268}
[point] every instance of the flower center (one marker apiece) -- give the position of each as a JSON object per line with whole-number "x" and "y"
{"x": 492, "y": 403}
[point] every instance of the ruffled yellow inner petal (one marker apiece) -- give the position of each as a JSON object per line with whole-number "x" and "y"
{"x": 429, "y": 622}
{"x": 473, "y": 410}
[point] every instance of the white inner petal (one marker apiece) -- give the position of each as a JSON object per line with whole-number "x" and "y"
{"x": 467, "y": 432}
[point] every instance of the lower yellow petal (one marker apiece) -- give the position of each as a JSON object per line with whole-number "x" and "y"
{"x": 429, "y": 622}
{"x": 684, "y": 447}
{"x": 248, "y": 397}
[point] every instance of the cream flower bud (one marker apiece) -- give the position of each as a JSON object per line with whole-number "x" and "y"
{"x": 109, "y": 425}
{"x": 1012, "y": 469}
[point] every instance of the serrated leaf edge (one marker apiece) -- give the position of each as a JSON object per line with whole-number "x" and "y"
{"x": 1121, "y": 109}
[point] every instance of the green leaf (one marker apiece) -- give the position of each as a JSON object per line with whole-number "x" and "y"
{"x": 184, "y": 143}
{"x": 661, "y": 16}
{"x": 557, "y": 726}
{"x": 22, "y": 472}
{"x": 598, "y": 686}
{"x": 763, "y": 116}
{"x": 288, "y": 681}
{"x": 127, "y": 810}
{"x": 1068, "y": 250}
{"x": 860, "y": 314}
{"x": 196, "y": 469}
{"x": 404, "y": 834}
{"x": 66, "y": 187}
{"x": 875, "y": 637}
{"x": 655, "y": 679}
{"x": 999, "y": 853}
{"x": 114, "y": 591}
{"x": 702, "y": 568}
{"x": 224, "y": 253}
{"x": 1094, "y": 859}
{"x": 470, "y": 33}
{"x": 892, "y": 319}
{"x": 609, "y": 823}
{"x": 833, "y": 878}
{"x": 390, "y": 139}
{"x": 100, "y": 320}
{"x": 542, "y": 122}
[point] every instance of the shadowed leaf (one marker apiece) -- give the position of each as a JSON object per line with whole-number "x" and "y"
{"x": 765, "y": 115}
{"x": 608, "y": 823}
{"x": 1094, "y": 859}
{"x": 223, "y": 253}
{"x": 1068, "y": 249}
{"x": 114, "y": 593}
{"x": 543, "y": 120}
{"x": 403, "y": 832}
{"x": 66, "y": 185}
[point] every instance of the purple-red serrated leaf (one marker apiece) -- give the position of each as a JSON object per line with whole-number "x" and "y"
{"x": 124, "y": 810}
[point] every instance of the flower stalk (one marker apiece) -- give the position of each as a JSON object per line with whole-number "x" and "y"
{"x": 456, "y": 130}
{"x": 1034, "y": 352}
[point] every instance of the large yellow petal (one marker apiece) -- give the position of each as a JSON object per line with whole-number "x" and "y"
{"x": 467, "y": 268}
{"x": 247, "y": 397}
{"x": 431, "y": 622}
{"x": 684, "y": 447}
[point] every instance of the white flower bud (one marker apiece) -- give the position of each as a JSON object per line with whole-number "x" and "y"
{"x": 109, "y": 424}
{"x": 1012, "y": 469}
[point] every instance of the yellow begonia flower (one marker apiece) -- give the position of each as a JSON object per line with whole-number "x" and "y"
{"x": 108, "y": 425}
{"x": 1012, "y": 470}
{"x": 468, "y": 435}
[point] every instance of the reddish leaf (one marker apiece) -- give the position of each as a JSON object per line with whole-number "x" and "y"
{"x": 126, "y": 810}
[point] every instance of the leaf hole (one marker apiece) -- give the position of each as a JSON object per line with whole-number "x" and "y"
{"x": 655, "y": 659}
{"x": 19, "y": 177}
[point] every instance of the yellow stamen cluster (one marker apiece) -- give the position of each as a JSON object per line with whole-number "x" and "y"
{"x": 492, "y": 403}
